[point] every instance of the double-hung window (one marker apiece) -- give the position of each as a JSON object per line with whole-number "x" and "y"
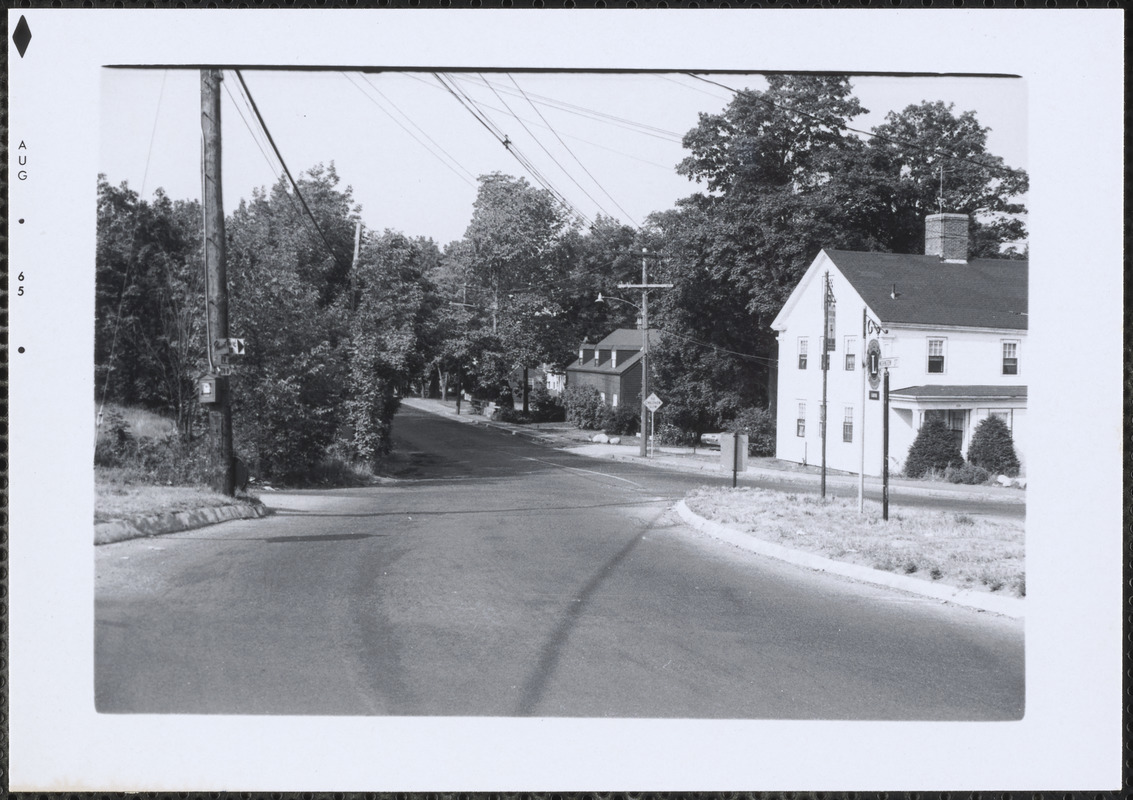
{"x": 848, "y": 424}
{"x": 800, "y": 422}
{"x": 936, "y": 356}
{"x": 851, "y": 353}
{"x": 803, "y": 347}
{"x": 1010, "y": 358}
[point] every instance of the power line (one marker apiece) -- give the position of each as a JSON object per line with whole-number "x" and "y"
{"x": 471, "y": 106}
{"x": 411, "y": 134}
{"x": 871, "y": 134}
{"x": 548, "y": 152}
{"x": 298, "y": 193}
{"x": 564, "y": 144}
{"x": 666, "y": 167}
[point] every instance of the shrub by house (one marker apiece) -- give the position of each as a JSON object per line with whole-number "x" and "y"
{"x": 934, "y": 450}
{"x": 993, "y": 448}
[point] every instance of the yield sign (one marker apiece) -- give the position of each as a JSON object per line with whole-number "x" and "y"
{"x": 653, "y": 402}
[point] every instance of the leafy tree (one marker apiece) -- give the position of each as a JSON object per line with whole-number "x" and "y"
{"x": 288, "y": 398}
{"x": 509, "y": 240}
{"x": 149, "y": 337}
{"x": 390, "y": 335}
{"x": 993, "y": 447}
{"x": 934, "y": 449}
{"x": 927, "y": 148}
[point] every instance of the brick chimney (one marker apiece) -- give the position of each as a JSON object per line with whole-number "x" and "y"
{"x": 946, "y": 237}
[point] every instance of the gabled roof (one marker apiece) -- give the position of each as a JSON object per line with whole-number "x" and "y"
{"x": 626, "y": 339}
{"x": 622, "y": 339}
{"x": 981, "y": 293}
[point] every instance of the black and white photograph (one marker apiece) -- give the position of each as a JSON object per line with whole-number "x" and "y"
{"x": 442, "y": 415}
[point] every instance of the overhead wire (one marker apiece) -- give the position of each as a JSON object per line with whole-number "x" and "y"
{"x": 290, "y": 177}
{"x": 469, "y": 179}
{"x": 871, "y": 134}
{"x": 572, "y": 155}
{"x": 471, "y": 106}
{"x": 548, "y": 152}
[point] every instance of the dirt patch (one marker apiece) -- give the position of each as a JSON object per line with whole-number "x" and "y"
{"x": 955, "y": 549}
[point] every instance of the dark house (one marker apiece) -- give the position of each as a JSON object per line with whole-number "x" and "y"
{"x": 612, "y": 366}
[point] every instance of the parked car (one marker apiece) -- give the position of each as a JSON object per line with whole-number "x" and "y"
{"x": 710, "y": 439}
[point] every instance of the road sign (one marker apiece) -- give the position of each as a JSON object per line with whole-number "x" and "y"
{"x": 888, "y": 363}
{"x": 224, "y": 369}
{"x": 873, "y": 365}
{"x": 653, "y": 402}
{"x": 233, "y": 347}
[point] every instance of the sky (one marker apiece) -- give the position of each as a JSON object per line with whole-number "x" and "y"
{"x": 411, "y": 151}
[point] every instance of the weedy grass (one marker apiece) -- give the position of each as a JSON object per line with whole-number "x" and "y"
{"x": 955, "y": 549}
{"x": 120, "y": 497}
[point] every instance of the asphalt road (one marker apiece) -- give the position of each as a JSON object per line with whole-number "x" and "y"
{"x": 500, "y": 577}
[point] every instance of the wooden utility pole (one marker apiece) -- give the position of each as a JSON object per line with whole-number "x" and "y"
{"x": 644, "y": 286}
{"x": 216, "y": 281}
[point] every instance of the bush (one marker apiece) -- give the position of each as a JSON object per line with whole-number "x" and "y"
{"x": 668, "y": 434}
{"x": 933, "y": 449}
{"x": 993, "y": 448}
{"x": 622, "y": 421}
{"x": 510, "y": 414}
{"x": 584, "y": 407}
{"x": 759, "y": 425}
{"x": 970, "y": 474}
{"x": 545, "y": 407}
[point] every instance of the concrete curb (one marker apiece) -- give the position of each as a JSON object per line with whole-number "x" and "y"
{"x": 1007, "y": 606}
{"x": 174, "y": 522}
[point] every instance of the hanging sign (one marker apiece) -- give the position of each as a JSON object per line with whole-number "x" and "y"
{"x": 873, "y": 363}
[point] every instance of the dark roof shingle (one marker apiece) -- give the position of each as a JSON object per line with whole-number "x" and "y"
{"x": 981, "y": 293}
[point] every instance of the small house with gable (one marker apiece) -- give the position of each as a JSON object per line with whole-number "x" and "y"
{"x": 952, "y": 329}
{"x": 612, "y": 366}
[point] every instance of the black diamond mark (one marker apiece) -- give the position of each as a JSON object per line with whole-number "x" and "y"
{"x": 22, "y": 36}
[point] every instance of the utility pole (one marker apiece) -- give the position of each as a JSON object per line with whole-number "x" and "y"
{"x": 354, "y": 264}
{"x": 644, "y": 286}
{"x": 864, "y": 367}
{"x": 216, "y": 280}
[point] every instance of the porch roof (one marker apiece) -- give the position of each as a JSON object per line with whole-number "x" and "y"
{"x": 960, "y": 392}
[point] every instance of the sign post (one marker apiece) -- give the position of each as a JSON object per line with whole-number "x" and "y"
{"x": 652, "y": 402}
{"x": 885, "y": 448}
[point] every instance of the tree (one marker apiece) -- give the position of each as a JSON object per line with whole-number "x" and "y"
{"x": 937, "y": 160}
{"x": 390, "y": 335}
{"x": 934, "y": 449}
{"x": 149, "y": 330}
{"x": 513, "y": 230}
{"x": 993, "y": 448}
{"x": 287, "y": 301}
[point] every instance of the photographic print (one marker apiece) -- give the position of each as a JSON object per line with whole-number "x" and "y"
{"x": 561, "y": 407}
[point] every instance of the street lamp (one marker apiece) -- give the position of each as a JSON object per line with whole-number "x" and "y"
{"x": 644, "y": 286}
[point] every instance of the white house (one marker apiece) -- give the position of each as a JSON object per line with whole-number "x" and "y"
{"x": 954, "y": 331}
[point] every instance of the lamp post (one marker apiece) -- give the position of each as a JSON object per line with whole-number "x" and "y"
{"x": 644, "y": 286}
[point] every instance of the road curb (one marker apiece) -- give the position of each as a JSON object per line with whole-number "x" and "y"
{"x": 1007, "y": 606}
{"x": 173, "y": 522}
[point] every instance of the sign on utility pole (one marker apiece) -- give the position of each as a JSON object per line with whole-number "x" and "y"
{"x": 215, "y": 386}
